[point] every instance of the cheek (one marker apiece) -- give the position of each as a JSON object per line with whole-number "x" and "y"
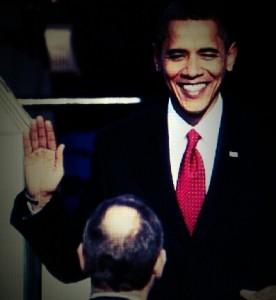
{"x": 216, "y": 70}
{"x": 171, "y": 71}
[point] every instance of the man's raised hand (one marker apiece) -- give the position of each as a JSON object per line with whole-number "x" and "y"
{"x": 43, "y": 161}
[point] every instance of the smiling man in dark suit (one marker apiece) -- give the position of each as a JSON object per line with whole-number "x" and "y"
{"x": 192, "y": 161}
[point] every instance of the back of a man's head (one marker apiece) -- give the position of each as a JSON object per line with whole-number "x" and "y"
{"x": 121, "y": 244}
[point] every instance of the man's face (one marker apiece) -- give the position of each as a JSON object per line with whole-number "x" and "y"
{"x": 194, "y": 61}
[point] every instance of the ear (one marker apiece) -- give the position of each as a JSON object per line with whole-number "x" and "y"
{"x": 81, "y": 256}
{"x": 160, "y": 264}
{"x": 156, "y": 59}
{"x": 231, "y": 57}
{"x": 157, "y": 64}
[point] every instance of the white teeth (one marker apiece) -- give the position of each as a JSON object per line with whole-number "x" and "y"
{"x": 194, "y": 87}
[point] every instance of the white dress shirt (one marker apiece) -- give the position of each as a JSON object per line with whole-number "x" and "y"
{"x": 208, "y": 128}
{"x": 126, "y": 295}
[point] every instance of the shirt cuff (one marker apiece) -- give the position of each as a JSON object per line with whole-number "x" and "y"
{"x": 30, "y": 203}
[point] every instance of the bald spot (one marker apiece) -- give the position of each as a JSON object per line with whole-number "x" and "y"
{"x": 120, "y": 222}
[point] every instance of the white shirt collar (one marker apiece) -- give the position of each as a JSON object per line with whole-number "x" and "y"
{"x": 208, "y": 126}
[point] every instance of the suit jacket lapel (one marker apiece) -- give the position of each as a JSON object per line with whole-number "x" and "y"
{"x": 170, "y": 208}
{"x": 226, "y": 172}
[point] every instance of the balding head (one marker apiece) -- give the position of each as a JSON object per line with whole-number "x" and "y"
{"x": 120, "y": 222}
{"x": 122, "y": 242}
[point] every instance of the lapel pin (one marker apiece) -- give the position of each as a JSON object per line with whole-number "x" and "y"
{"x": 233, "y": 154}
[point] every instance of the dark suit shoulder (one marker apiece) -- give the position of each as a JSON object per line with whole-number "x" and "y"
{"x": 144, "y": 123}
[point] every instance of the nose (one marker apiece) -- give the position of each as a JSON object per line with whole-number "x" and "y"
{"x": 192, "y": 67}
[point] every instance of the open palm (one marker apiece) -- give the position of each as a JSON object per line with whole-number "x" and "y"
{"x": 43, "y": 160}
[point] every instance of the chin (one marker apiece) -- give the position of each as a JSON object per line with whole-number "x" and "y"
{"x": 194, "y": 109}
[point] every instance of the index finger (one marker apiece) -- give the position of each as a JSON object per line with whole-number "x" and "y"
{"x": 51, "y": 138}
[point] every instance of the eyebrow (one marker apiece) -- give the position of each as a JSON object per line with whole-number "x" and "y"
{"x": 182, "y": 51}
{"x": 209, "y": 50}
{"x": 175, "y": 50}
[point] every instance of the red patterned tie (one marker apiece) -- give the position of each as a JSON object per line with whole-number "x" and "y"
{"x": 190, "y": 188}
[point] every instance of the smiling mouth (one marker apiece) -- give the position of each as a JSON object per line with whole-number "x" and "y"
{"x": 192, "y": 89}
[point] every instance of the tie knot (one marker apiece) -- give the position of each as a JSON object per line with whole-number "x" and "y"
{"x": 193, "y": 137}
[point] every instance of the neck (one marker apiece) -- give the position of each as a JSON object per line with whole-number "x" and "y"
{"x": 131, "y": 295}
{"x": 191, "y": 118}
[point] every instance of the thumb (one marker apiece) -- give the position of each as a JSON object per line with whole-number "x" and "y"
{"x": 248, "y": 294}
{"x": 59, "y": 156}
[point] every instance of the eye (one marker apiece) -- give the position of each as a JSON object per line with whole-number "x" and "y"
{"x": 209, "y": 55}
{"x": 175, "y": 55}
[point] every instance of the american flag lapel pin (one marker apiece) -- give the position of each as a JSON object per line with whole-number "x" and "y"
{"x": 234, "y": 154}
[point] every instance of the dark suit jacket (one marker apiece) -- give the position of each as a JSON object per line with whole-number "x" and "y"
{"x": 231, "y": 245}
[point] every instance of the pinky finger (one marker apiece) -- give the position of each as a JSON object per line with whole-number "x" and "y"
{"x": 27, "y": 143}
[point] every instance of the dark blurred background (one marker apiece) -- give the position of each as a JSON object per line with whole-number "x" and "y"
{"x": 110, "y": 40}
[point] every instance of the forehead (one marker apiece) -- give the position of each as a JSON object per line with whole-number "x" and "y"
{"x": 193, "y": 33}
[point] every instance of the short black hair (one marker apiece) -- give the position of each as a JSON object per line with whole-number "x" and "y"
{"x": 195, "y": 10}
{"x": 122, "y": 265}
